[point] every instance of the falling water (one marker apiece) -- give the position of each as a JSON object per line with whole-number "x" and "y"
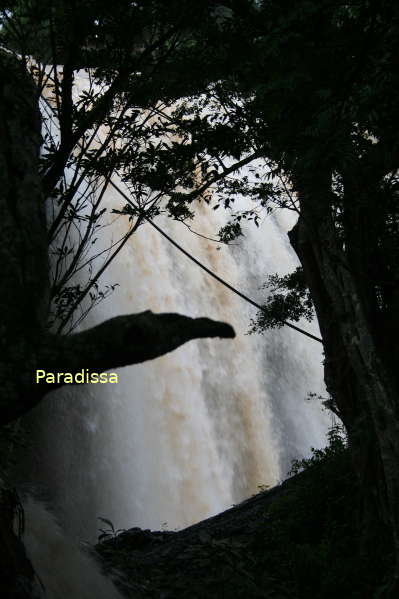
{"x": 193, "y": 432}
{"x": 62, "y": 569}
{"x": 187, "y": 435}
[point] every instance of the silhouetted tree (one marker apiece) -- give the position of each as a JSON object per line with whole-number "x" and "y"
{"x": 129, "y": 48}
{"x": 312, "y": 88}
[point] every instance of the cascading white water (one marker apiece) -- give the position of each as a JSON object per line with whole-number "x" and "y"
{"x": 195, "y": 431}
{"x": 62, "y": 569}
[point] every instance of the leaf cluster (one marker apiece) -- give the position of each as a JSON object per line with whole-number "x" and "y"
{"x": 289, "y": 299}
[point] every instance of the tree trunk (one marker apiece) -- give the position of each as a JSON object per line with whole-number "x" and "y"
{"x": 357, "y": 374}
{"x": 23, "y": 248}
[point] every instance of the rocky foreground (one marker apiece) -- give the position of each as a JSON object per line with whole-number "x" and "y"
{"x": 295, "y": 540}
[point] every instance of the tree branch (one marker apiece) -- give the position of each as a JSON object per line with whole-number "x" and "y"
{"x": 127, "y": 339}
{"x": 221, "y": 175}
{"x": 120, "y": 341}
{"x": 101, "y": 107}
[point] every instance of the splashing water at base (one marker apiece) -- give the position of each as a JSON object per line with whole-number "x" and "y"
{"x": 62, "y": 568}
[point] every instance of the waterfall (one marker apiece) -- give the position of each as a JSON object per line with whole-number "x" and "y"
{"x": 187, "y": 435}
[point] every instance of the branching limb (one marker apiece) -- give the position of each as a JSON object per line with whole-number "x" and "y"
{"x": 127, "y": 339}
{"x": 120, "y": 341}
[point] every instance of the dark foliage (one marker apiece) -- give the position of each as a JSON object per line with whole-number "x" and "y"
{"x": 296, "y": 541}
{"x": 289, "y": 299}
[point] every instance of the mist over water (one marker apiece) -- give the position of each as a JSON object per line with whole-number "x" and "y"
{"x": 187, "y": 435}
